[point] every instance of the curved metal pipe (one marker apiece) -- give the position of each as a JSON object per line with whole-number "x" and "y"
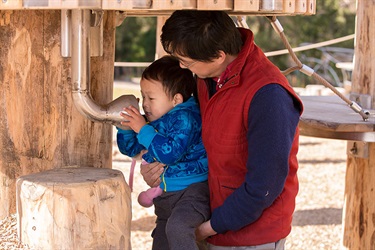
{"x": 109, "y": 113}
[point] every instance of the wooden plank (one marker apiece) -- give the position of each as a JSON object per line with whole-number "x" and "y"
{"x": 174, "y": 5}
{"x": 289, "y": 6}
{"x": 162, "y": 7}
{"x": 215, "y": 4}
{"x": 117, "y": 5}
{"x": 311, "y": 7}
{"x": 62, "y": 4}
{"x": 301, "y": 6}
{"x": 246, "y": 5}
{"x": 11, "y": 5}
{"x": 333, "y": 114}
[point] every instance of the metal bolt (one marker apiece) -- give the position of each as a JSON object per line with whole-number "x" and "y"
{"x": 354, "y": 149}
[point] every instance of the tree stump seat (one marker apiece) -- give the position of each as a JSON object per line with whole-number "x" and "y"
{"x": 74, "y": 208}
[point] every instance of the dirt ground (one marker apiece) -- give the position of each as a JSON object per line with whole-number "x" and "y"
{"x": 317, "y": 219}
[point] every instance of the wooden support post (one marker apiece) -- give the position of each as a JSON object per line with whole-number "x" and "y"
{"x": 40, "y": 128}
{"x": 359, "y": 206}
{"x": 160, "y": 52}
{"x": 74, "y": 208}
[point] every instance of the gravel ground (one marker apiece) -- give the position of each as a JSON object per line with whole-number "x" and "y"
{"x": 318, "y": 215}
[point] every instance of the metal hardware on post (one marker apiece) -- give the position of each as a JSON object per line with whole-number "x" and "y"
{"x": 271, "y": 5}
{"x": 120, "y": 17}
{"x": 96, "y": 33}
{"x": 360, "y": 103}
{"x": 357, "y": 149}
{"x": 66, "y": 33}
{"x": 364, "y": 100}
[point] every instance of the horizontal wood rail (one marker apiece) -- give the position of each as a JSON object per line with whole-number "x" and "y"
{"x": 162, "y": 7}
{"x": 330, "y": 117}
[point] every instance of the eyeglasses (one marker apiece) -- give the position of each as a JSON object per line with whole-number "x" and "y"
{"x": 188, "y": 65}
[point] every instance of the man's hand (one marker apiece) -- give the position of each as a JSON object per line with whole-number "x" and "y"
{"x": 204, "y": 230}
{"x": 151, "y": 173}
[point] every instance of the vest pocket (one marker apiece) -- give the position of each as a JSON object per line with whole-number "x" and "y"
{"x": 223, "y": 186}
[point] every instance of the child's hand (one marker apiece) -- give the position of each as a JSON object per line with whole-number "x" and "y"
{"x": 134, "y": 118}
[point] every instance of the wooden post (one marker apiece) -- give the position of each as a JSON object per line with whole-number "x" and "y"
{"x": 40, "y": 128}
{"x": 359, "y": 205}
{"x": 74, "y": 208}
{"x": 160, "y": 52}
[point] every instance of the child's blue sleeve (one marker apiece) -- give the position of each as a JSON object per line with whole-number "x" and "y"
{"x": 170, "y": 145}
{"x": 127, "y": 142}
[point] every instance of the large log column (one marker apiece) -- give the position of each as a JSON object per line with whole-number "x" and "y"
{"x": 359, "y": 206}
{"x": 40, "y": 128}
{"x": 74, "y": 208}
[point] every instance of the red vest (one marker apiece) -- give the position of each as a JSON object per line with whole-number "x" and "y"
{"x": 224, "y": 137}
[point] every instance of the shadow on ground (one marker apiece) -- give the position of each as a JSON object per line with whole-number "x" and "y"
{"x": 143, "y": 224}
{"x": 321, "y": 216}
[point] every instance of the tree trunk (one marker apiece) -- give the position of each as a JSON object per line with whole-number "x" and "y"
{"x": 40, "y": 128}
{"x": 74, "y": 208}
{"x": 359, "y": 206}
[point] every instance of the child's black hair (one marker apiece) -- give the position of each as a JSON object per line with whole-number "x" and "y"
{"x": 174, "y": 79}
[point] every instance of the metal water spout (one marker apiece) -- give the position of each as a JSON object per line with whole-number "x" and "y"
{"x": 80, "y": 75}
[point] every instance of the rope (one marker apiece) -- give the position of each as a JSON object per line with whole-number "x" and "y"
{"x": 311, "y": 46}
{"x": 310, "y": 72}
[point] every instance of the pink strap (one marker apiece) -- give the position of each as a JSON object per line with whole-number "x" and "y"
{"x": 131, "y": 174}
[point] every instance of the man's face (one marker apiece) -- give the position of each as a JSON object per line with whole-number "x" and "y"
{"x": 200, "y": 68}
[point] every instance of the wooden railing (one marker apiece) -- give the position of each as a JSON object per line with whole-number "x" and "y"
{"x": 163, "y": 7}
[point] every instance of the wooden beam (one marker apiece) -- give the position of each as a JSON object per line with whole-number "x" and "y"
{"x": 359, "y": 205}
{"x": 162, "y": 7}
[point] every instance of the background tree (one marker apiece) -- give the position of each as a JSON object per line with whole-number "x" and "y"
{"x": 135, "y": 38}
{"x": 333, "y": 19}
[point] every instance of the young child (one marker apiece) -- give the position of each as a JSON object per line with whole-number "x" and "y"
{"x": 172, "y": 136}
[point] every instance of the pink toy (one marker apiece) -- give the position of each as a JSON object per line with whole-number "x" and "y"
{"x": 145, "y": 198}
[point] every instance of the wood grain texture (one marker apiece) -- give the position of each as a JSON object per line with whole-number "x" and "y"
{"x": 333, "y": 114}
{"x": 74, "y": 208}
{"x": 359, "y": 206}
{"x": 40, "y": 128}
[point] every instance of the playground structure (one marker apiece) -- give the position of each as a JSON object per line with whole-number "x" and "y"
{"x": 56, "y": 71}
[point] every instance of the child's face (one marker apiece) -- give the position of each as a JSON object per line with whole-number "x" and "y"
{"x": 156, "y": 102}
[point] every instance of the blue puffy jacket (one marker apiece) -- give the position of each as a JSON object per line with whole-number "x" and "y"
{"x": 175, "y": 140}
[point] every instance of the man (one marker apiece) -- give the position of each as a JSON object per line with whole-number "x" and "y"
{"x": 250, "y": 118}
